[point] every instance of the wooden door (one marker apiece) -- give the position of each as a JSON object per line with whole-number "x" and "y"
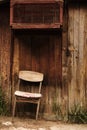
{"x": 41, "y": 51}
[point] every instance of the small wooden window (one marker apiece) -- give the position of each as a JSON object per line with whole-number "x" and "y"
{"x": 36, "y": 14}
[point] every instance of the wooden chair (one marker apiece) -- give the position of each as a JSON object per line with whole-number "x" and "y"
{"x": 29, "y": 97}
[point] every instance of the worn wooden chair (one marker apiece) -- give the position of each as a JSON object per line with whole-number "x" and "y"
{"x": 29, "y": 97}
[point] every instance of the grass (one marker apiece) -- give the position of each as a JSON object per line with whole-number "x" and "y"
{"x": 78, "y": 114}
{"x": 3, "y": 104}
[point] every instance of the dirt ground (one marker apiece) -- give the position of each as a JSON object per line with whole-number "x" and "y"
{"x": 31, "y": 124}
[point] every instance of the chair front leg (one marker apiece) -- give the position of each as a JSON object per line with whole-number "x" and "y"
{"x": 13, "y": 111}
{"x": 37, "y": 111}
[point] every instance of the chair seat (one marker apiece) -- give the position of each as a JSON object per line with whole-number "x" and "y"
{"x": 27, "y": 94}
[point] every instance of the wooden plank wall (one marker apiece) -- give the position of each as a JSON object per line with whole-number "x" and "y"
{"x": 76, "y": 65}
{"x": 47, "y": 53}
{"x": 5, "y": 36}
{"x": 34, "y": 51}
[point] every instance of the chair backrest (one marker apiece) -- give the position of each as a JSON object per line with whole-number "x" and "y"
{"x": 31, "y": 76}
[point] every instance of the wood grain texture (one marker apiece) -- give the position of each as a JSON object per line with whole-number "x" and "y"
{"x": 5, "y": 53}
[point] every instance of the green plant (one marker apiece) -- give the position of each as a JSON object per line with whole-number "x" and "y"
{"x": 77, "y": 114}
{"x": 3, "y": 108}
{"x": 57, "y": 109}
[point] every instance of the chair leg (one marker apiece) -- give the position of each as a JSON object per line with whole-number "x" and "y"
{"x": 37, "y": 111}
{"x": 13, "y": 111}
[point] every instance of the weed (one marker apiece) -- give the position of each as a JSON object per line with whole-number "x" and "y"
{"x": 77, "y": 114}
{"x": 3, "y": 105}
{"x": 57, "y": 109}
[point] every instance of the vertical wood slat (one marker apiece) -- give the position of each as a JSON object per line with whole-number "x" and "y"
{"x": 85, "y": 59}
{"x": 61, "y": 14}
{"x": 76, "y": 52}
{"x": 5, "y": 36}
{"x": 51, "y": 72}
{"x": 25, "y": 47}
{"x": 58, "y": 68}
{"x": 11, "y": 13}
{"x": 44, "y": 62}
{"x": 35, "y": 49}
{"x": 81, "y": 52}
{"x": 70, "y": 59}
{"x": 15, "y": 68}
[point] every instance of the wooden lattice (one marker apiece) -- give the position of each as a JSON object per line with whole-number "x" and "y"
{"x": 36, "y": 14}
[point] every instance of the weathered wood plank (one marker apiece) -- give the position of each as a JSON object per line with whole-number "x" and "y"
{"x": 76, "y": 51}
{"x": 85, "y": 59}
{"x": 70, "y": 59}
{"x": 25, "y": 51}
{"x": 81, "y": 54}
{"x": 44, "y": 67}
{"x": 65, "y": 62}
{"x": 5, "y": 36}
{"x": 15, "y": 67}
